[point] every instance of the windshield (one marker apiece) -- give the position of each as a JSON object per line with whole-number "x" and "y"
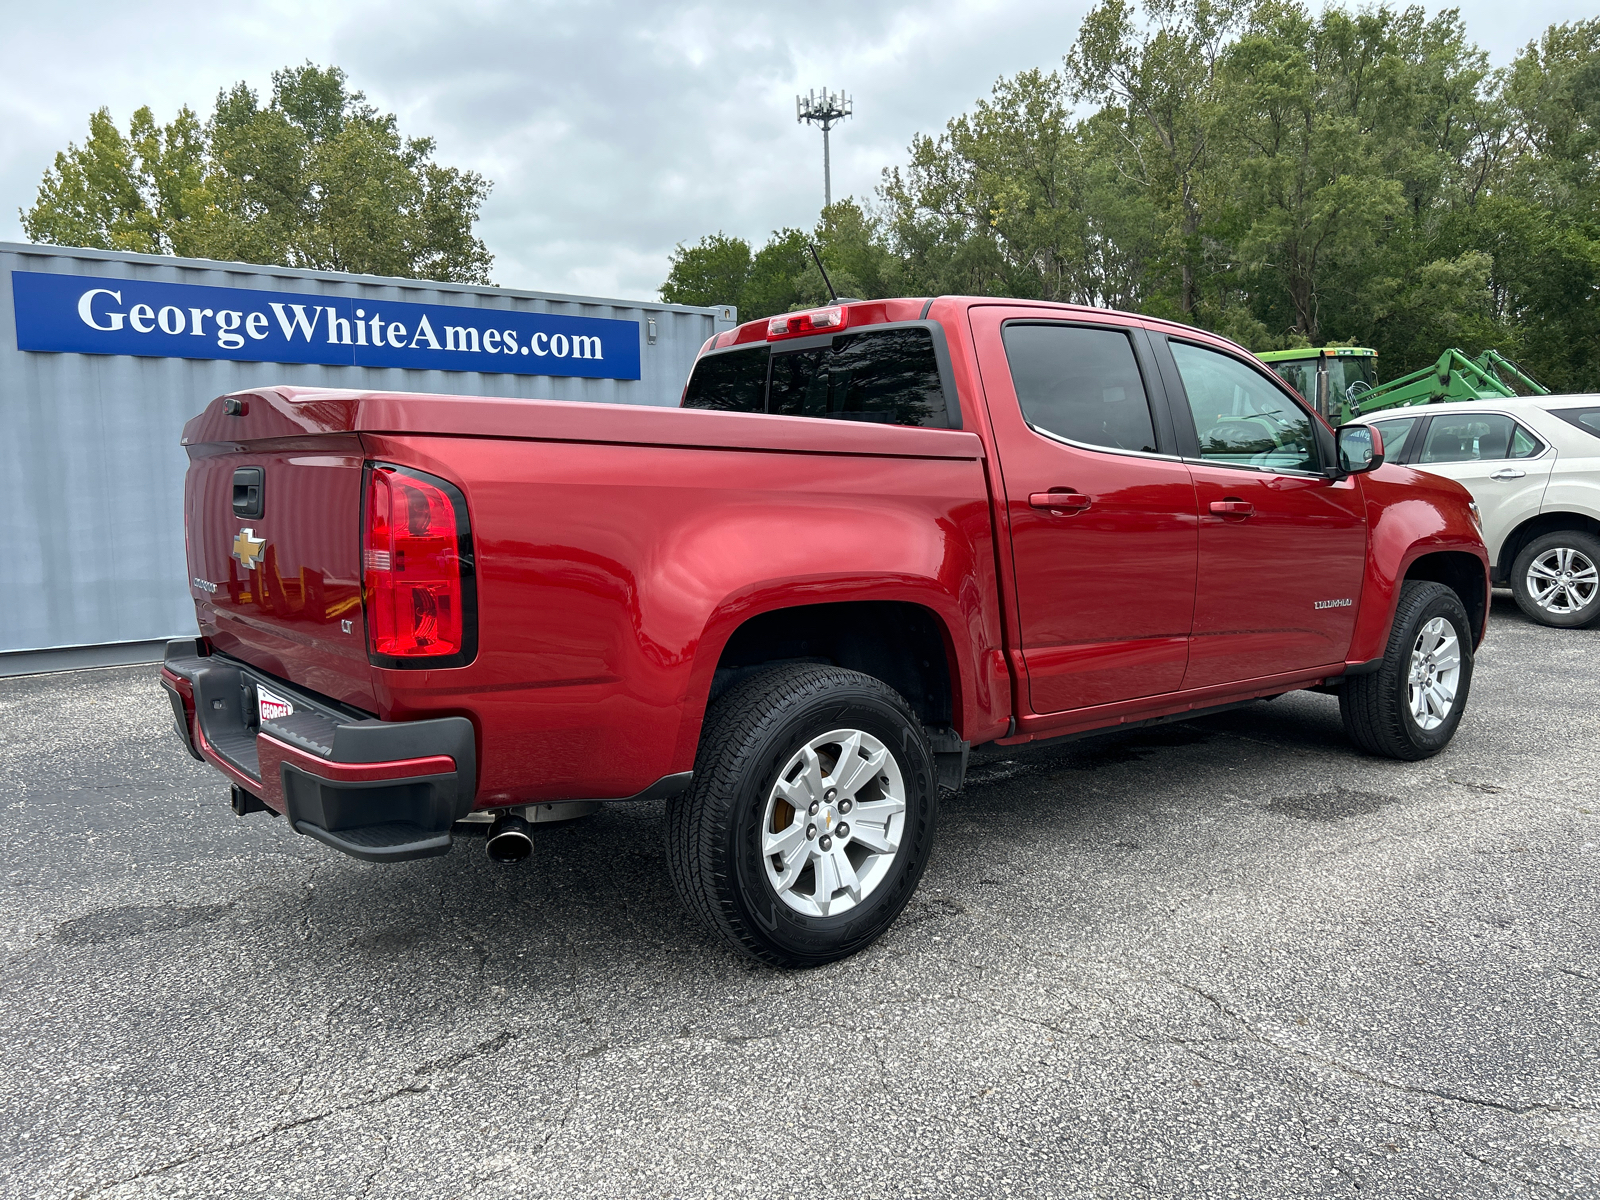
{"x": 1345, "y": 373}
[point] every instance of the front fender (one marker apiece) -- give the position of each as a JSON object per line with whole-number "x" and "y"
{"x": 1410, "y": 514}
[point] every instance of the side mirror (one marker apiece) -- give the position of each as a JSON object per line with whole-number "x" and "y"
{"x": 1360, "y": 449}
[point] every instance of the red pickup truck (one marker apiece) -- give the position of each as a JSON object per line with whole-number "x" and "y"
{"x": 873, "y": 536}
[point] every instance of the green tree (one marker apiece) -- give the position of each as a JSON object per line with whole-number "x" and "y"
{"x": 1282, "y": 176}
{"x": 1157, "y": 83}
{"x": 773, "y": 285}
{"x": 1017, "y": 199}
{"x": 314, "y": 178}
{"x": 782, "y": 275}
{"x": 137, "y": 193}
{"x": 712, "y": 271}
{"x": 1543, "y": 228}
{"x": 1310, "y": 183}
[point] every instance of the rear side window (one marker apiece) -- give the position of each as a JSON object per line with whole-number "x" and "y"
{"x": 1473, "y": 437}
{"x": 1080, "y": 384}
{"x": 734, "y": 381}
{"x": 891, "y": 377}
{"x": 1586, "y": 419}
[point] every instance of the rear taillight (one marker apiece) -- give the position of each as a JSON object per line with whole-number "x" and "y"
{"x": 417, "y": 576}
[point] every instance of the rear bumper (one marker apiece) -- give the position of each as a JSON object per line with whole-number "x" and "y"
{"x": 383, "y": 791}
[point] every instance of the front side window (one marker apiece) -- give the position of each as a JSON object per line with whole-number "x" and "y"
{"x": 1080, "y": 384}
{"x": 1395, "y": 434}
{"x": 1240, "y": 417}
{"x": 890, "y": 377}
{"x": 1474, "y": 437}
{"x": 733, "y": 381}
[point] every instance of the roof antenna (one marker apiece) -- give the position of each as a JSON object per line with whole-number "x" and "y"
{"x": 824, "y": 271}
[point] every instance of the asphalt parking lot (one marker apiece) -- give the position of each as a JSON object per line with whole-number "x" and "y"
{"x": 1230, "y": 957}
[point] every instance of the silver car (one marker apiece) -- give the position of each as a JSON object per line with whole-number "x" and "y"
{"x": 1533, "y": 466}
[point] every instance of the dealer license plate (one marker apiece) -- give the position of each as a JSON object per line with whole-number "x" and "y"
{"x": 270, "y": 707}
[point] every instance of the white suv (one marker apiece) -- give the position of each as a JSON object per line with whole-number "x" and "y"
{"x": 1533, "y": 466}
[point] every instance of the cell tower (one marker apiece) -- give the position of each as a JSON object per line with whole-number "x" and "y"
{"x": 826, "y": 110}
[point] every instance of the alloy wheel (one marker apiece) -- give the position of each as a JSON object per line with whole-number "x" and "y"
{"x": 1435, "y": 673}
{"x": 1563, "y": 580}
{"x": 833, "y": 822}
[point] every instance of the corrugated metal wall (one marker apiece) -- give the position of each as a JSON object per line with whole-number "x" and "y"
{"x": 91, "y": 474}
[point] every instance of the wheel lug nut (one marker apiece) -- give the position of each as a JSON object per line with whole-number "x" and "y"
{"x": 843, "y": 830}
{"x": 830, "y": 794}
{"x": 814, "y": 807}
{"x": 846, "y": 805}
{"x": 826, "y": 843}
{"x": 811, "y": 831}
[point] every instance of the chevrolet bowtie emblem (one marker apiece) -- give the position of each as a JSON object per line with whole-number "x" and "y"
{"x": 247, "y": 548}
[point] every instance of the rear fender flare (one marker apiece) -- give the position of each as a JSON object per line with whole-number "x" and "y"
{"x": 976, "y": 695}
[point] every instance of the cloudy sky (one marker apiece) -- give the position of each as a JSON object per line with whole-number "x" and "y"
{"x": 611, "y": 130}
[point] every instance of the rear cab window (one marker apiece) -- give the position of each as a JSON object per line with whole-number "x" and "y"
{"x": 889, "y": 376}
{"x": 730, "y": 381}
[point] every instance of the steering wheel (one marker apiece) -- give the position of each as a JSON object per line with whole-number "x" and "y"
{"x": 1234, "y": 433}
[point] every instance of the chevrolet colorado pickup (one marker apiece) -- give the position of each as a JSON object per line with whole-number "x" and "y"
{"x": 873, "y": 536}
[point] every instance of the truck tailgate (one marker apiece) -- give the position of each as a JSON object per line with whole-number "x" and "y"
{"x": 273, "y": 526}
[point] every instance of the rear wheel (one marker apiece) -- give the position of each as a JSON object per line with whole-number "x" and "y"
{"x": 1409, "y": 708}
{"x": 1556, "y": 579}
{"x": 811, "y": 816}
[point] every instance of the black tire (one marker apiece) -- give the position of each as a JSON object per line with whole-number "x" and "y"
{"x": 1376, "y": 707}
{"x": 714, "y": 829}
{"x": 1586, "y": 545}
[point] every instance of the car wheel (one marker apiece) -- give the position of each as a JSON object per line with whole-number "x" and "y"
{"x": 1556, "y": 579}
{"x": 811, "y": 815}
{"x": 1409, "y": 708}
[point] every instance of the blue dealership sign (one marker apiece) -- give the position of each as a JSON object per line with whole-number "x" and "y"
{"x": 78, "y": 314}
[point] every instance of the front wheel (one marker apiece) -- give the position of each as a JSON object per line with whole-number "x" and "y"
{"x": 1409, "y": 708}
{"x": 811, "y": 816}
{"x": 1556, "y": 579}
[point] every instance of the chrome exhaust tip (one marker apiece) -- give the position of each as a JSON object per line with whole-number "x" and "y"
{"x": 509, "y": 839}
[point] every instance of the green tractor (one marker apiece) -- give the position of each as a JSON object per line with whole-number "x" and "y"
{"x": 1324, "y": 375}
{"x": 1341, "y": 382}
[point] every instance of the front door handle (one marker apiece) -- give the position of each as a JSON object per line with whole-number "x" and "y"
{"x": 1232, "y": 508}
{"x": 1508, "y": 473}
{"x": 1059, "y": 500}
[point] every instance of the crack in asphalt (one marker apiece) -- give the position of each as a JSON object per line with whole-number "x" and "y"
{"x": 1493, "y": 1166}
{"x": 383, "y": 1161}
{"x": 1364, "y": 1075}
{"x": 449, "y": 1062}
{"x": 1320, "y": 1149}
{"x": 241, "y": 1143}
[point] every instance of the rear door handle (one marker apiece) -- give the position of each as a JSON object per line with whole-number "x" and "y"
{"x": 1232, "y": 508}
{"x": 1064, "y": 500}
{"x": 1507, "y": 473}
